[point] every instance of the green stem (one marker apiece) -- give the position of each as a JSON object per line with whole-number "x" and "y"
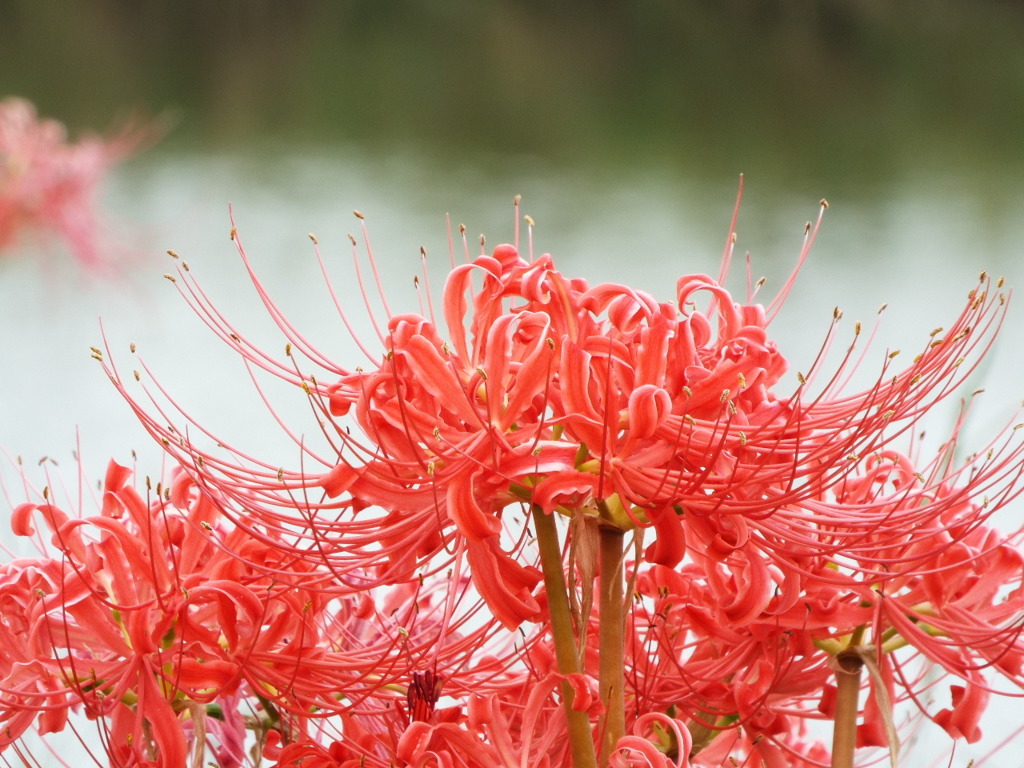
{"x": 612, "y": 647}
{"x": 844, "y": 735}
{"x": 581, "y": 740}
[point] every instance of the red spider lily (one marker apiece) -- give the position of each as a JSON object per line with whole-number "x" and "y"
{"x": 785, "y": 532}
{"x": 951, "y": 590}
{"x": 48, "y": 186}
{"x": 563, "y": 396}
{"x": 167, "y": 624}
{"x": 154, "y": 613}
{"x": 963, "y": 610}
{"x": 518, "y": 725}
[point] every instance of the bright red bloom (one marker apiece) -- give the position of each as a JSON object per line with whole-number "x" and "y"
{"x": 776, "y": 525}
{"x": 554, "y": 393}
{"x": 158, "y": 613}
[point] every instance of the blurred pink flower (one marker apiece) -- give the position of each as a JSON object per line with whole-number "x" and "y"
{"x": 49, "y": 186}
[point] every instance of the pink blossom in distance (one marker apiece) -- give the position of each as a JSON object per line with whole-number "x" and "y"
{"x": 49, "y": 185}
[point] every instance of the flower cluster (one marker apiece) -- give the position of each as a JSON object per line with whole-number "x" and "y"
{"x": 179, "y": 632}
{"x": 48, "y": 185}
{"x": 562, "y": 525}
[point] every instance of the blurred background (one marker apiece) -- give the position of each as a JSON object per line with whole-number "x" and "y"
{"x": 625, "y": 126}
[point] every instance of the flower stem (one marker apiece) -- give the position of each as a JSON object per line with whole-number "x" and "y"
{"x": 844, "y": 735}
{"x": 612, "y": 677}
{"x": 581, "y": 740}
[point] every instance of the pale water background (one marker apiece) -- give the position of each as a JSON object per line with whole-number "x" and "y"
{"x": 624, "y": 130}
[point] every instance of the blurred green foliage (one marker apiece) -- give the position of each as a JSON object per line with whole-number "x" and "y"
{"x": 810, "y": 90}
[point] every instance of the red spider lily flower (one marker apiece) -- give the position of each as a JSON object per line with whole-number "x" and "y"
{"x": 23, "y": 633}
{"x": 783, "y": 527}
{"x": 48, "y": 185}
{"x": 519, "y": 725}
{"x": 551, "y": 393}
{"x": 950, "y": 590}
{"x": 107, "y": 637}
{"x": 689, "y": 652}
{"x": 962, "y": 609}
{"x": 182, "y": 634}
{"x": 149, "y": 620}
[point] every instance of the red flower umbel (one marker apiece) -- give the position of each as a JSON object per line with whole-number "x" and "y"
{"x": 683, "y": 537}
